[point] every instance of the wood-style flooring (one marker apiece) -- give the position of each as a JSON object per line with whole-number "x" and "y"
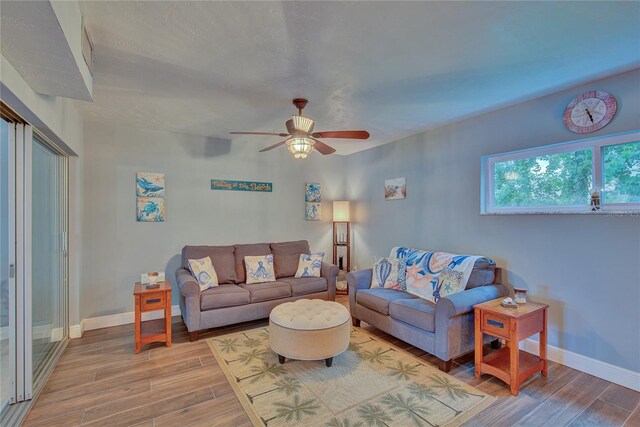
{"x": 100, "y": 381}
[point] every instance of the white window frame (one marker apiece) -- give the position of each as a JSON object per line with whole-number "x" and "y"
{"x": 596, "y": 145}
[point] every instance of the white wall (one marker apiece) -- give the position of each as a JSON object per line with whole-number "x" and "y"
{"x": 586, "y": 267}
{"x": 117, "y": 249}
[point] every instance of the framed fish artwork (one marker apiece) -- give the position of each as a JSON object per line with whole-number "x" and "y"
{"x": 149, "y": 184}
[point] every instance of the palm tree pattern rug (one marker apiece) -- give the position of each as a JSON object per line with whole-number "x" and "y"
{"x": 373, "y": 383}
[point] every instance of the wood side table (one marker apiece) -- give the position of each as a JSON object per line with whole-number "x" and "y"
{"x": 510, "y": 364}
{"x": 158, "y": 330}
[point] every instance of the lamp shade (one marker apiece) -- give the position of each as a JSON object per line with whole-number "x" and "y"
{"x": 341, "y": 211}
{"x": 300, "y": 147}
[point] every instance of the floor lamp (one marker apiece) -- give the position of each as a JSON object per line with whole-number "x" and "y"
{"x": 341, "y": 232}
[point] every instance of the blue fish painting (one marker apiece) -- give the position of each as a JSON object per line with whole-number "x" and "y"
{"x": 149, "y": 184}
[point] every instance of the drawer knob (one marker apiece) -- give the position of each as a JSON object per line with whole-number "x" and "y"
{"x": 151, "y": 301}
{"x": 495, "y": 323}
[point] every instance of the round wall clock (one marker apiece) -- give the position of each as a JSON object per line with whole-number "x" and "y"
{"x": 590, "y": 112}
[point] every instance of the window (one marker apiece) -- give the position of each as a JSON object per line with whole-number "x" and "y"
{"x": 560, "y": 178}
{"x": 621, "y": 173}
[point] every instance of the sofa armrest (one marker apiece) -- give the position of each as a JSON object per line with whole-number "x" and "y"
{"x": 360, "y": 279}
{"x": 462, "y": 302}
{"x": 330, "y": 272}
{"x": 187, "y": 283}
{"x": 189, "y": 299}
{"x": 454, "y": 320}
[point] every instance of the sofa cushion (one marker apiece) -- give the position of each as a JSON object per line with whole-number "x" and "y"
{"x": 483, "y": 273}
{"x": 268, "y": 291}
{"x": 305, "y": 285}
{"x": 224, "y": 296}
{"x": 242, "y": 251}
{"x": 222, "y": 259}
{"x": 379, "y": 299}
{"x": 415, "y": 311}
{"x": 286, "y": 256}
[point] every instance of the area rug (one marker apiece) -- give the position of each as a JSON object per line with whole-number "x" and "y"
{"x": 373, "y": 383}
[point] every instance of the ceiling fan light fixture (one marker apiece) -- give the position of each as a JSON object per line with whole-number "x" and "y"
{"x": 302, "y": 124}
{"x": 300, "y": 147}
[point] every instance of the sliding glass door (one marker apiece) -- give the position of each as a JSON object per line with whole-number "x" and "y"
{"x": 48, "y": 251}
{"x": 6, "y": 243}
{"x": 33, "y": 262}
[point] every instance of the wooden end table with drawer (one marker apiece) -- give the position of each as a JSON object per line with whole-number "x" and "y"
{"x": 158, "y": 330}
{"x": 510, "y": 364}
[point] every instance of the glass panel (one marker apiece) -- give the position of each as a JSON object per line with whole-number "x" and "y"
{"x": 4, "y": 263}
{"x": 621, "y": 176}
{"x": 46, "y": 281}
{"x": 556, "y": 180}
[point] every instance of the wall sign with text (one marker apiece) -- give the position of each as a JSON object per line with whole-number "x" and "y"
{"x": 225, "y": 184}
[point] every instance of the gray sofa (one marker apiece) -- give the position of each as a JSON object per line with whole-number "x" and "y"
{"x": 233, "y": 301}
{"x": 444, "y": 329}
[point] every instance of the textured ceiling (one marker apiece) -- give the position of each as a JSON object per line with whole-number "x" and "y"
{"x": 34, "y": 41}
{"x": 393, "y": 68}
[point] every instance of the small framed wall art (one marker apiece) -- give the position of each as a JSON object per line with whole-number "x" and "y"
{"x": 312, "y": 202}
{"x": 395, "y": 189}
{"x": 150, "y": 191}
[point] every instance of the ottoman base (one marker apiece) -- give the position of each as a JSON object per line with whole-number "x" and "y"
{"x": 318, "y": 344}
{"x": 328, "y": 361}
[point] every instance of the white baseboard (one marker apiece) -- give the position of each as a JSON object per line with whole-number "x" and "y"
{"x": 76, "y": 331}
{"x": 597, "y": 368}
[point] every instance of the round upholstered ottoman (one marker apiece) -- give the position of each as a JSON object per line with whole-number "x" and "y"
{"x": 309, "y": 329}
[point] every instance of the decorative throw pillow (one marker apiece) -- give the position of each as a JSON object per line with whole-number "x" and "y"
{"x": 449, "y": 282}
{"x": 389, "y": 273}
{"x": 259, "y": 269}
{"x": 310, "y": 265}
{"x": 203, "y": 271}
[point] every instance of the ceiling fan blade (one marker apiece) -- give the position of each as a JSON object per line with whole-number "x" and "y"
{"x": 323, "y": 148}
{"x": 349, "y": 134}
{"x": 259, "y": 133}
{"x": 271, "y": 147}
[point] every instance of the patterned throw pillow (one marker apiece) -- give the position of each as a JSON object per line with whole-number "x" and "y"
{"x": 310, "y": 265}
{"x": 203, "y": 271}
{"x": 389, "y": 273}
{"x": 259, "y": 269}
{"x": 449, "y": 282}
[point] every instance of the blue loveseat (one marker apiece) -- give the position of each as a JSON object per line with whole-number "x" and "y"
{"x": 444, "y": 329}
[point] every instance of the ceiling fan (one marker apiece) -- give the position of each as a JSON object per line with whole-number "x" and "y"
{"x": 301, "y": 139}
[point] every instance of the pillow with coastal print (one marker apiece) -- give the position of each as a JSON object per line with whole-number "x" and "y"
{"x": 259, "y": 269}
{"x": 310, "y": 265}
{"x": 389, "y": 273}
{"x": 202, "y": 269}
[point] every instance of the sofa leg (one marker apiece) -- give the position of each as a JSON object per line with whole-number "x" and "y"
{"x": 193, "y": 336}
{"x": 496, "y": 344}
{"x": 356, "y": 322}
{"x": 444, "y": 365}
